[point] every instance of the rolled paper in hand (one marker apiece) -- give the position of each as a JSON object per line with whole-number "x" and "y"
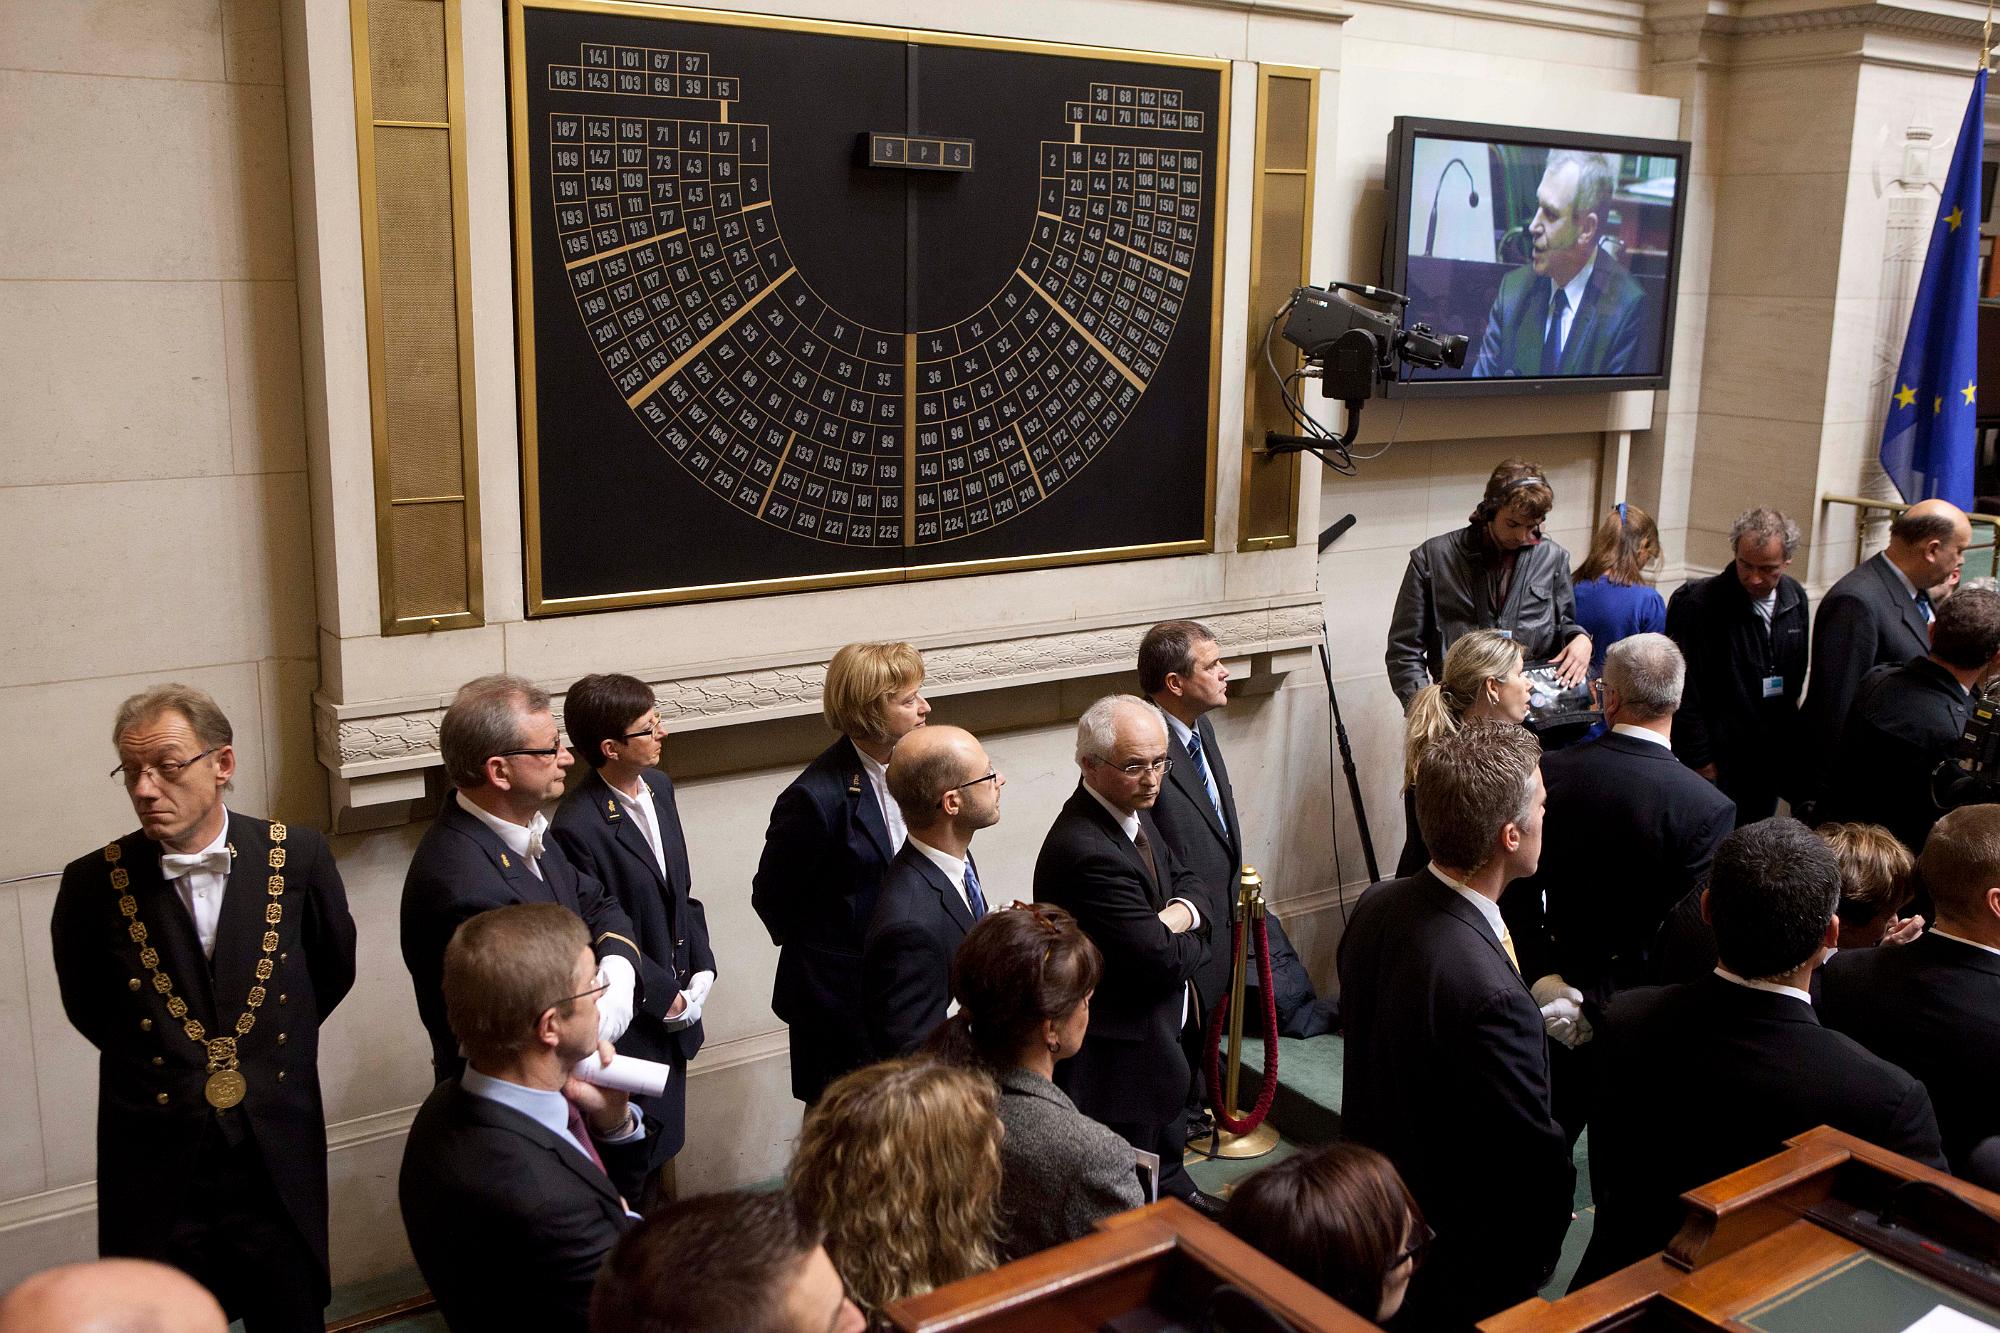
{"x": 625, "y": 1073}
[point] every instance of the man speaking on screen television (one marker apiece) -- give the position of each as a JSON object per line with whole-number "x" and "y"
{"x": 1572, "y": 309}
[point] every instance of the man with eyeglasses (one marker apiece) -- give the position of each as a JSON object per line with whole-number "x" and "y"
{"x": 199, "y": 955}
{"x": 489, "y": 847}
{"x": 621, "y": 827}
{"x": 947, "y": 790}
{"x": 516, "y": 1173}
{"x": 1105, "y": 861}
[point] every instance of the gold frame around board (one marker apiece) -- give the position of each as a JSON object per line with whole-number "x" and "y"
{"x": 524, "y": 317}
{"x": 388, "y": 589}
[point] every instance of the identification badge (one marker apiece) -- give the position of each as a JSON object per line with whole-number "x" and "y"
{"x": 1774, "y": 687}
{"x": 1504, "y": 633}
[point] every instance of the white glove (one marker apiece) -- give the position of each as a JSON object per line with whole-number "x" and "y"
{"x": 1562, "y": 1011}
{"x": 692, "y": 1000}
{"x": 614, "y": 1006}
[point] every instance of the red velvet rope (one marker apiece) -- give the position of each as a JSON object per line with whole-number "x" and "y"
{"x": 1268, "y": 1088}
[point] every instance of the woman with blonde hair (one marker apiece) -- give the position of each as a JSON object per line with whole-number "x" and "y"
{"x": 833, "y": 833}
{"x": 899, "y": 1163}
{"x": 1614, "y": 597}
{"x": 1482, "y": 683}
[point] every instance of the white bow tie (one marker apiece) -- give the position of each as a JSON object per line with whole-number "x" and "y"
{"x": 538, "y": 828}
{"x": 177, "y": 865}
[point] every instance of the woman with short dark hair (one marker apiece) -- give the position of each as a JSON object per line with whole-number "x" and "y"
{"x": 1022, "y": 979}
{"x": 1341, "y": 1218}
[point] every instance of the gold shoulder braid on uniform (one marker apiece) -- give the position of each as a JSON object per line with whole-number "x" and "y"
{"x": 225, "y": 1087}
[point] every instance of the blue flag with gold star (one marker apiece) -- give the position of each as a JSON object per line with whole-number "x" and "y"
{"x": 1928, "y": 439}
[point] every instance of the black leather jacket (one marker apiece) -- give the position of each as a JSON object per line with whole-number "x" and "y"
{"x": 1444, "y": 596}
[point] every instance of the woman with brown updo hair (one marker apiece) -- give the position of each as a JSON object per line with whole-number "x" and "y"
{"x": 1022, "y": 979}
{"x": 1341, "y": 1218}
{"x": 899, "y": 1164}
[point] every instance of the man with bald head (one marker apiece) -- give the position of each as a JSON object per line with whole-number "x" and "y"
{"x": 111, "y": 1296}
{"x": 1105, "y": 861}
{"x": 947, "y": 790}
{"x": 1879, "y": 613}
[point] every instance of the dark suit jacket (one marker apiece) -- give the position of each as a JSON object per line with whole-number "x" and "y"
{"x": 460, "y": 869}
{"x": 1609, "y": 335}
{"x": 1724, "y": 718}
{"x": 1865, "y": 620}
{"x": 814, "y": 890}
{"x": 608, "y": 846}
{"x": 1700, "y": 1080}
{"x": 1903, "y": 722}
{"x": 151, "y": 1115}
{"x": 1131, "y": 1069}
{"x": 507, "y": 1221}
{"x": 906, "y": 956}
{"x": 1931, "y": 1006}
{"x": 1629, "y": 831}
{"x": 1448, "y": 1075}
{"x": 1210, "y": 847}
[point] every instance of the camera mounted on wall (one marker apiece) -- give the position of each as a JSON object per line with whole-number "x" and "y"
{"x": 1352, "y": 351}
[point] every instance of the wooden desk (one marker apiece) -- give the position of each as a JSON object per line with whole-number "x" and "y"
{"x": 1787, "y": 1244}
{"x": 1165, "y": 1258}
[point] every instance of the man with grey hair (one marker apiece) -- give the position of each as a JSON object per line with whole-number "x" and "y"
{"x": 489, "y": 847}
{"x": 1105, "y": 861}
{"x": 1744, "y": 634}
{"x": 1447, "y": 1065}
{"x": 1572, "y": 309}
{"x": 199, "y": 954}
{"x": 1631, "y": 832}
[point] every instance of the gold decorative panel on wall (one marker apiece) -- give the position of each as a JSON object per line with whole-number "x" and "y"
{"x": 1280, "y": 260}
{"x": 410, "y": 130}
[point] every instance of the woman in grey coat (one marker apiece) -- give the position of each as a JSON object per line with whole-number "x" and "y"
{"x": 1022, "y": 979}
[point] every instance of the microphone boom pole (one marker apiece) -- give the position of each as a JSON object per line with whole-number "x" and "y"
{"x": 1326, "y": 539}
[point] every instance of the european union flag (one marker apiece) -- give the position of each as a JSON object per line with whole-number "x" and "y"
{"x": 1928, "y": 440}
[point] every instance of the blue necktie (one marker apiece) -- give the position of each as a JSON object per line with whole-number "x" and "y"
{"x": 1201, "y": 771}
{"x": 1924, "y": 606}
{"x": 973, "y": 897}
{"x": 1552, "y": 341}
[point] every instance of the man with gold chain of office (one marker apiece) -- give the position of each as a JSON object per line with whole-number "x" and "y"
{"x": 199, "y": 954}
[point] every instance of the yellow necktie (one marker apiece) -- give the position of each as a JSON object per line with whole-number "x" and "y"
{"x": 1507, "y": 943}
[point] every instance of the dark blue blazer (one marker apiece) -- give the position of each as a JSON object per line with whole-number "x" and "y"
{"x": 1610, "y": 333}
{"x": 1210, "y": 847}
{"x": 607, "y": 845}
{"x": 824, "y": 855}
{"x": 1448, "y": 1077}
{"x": 460, "y": 869}
{"x": 1865, "y": 620}
{"x": 152, "y": 1120}
{"x": 906, "y": 955}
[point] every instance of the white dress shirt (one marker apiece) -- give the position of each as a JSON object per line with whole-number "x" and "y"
{"x": 524, "y": 842}
{"x": 201, "y": 891}
{"x": 892, "y": 814}
{"x": 954, "y": 870}
{"x": 548, "y": 1109}
{"x": 1771, "y": 986}
{"x": 641, "y": 810}
{"x": 1642, "y": 733}
{"x": 1488, "y": 909}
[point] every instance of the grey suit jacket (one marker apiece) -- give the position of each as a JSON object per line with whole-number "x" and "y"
{"x": 1060, "y": 1170}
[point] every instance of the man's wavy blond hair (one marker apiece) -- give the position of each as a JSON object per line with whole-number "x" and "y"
{"x": 900, "y": 1163}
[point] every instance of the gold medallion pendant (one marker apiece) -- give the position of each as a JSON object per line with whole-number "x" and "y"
{"x": 224, "y": 1089}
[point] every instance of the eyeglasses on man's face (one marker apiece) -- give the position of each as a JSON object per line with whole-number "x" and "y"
{"x": 993, "y": 776}
{"x": 1140, "y": 767}
{"x": 167, "y": 770}
{"x": 598, "y": 989}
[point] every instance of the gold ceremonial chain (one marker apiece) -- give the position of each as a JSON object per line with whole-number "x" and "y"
{"x": 225, "y": 1087}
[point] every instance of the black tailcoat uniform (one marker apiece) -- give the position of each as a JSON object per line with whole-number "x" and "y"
{"x": 919, "y": 921}
{"x": 1448, "y": 1076}
{"x": 1724, "y": 718}
{"x": 460, "y": 869}
{"x": 1131, "y": 1073}
{"x": 824, "y": 854}
{"x": 607, "y": 845}
{"x": 158, "y": 1139}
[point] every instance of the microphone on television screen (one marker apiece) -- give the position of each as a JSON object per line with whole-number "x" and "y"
{"x": 1471, "y": 199}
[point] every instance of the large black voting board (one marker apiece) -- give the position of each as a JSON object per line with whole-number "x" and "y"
{"x": 805, "y": 304}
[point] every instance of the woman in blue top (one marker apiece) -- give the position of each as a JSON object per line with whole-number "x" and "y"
{"x": 1613, "y": 598}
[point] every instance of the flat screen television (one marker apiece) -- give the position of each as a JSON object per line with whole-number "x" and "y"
{"x": 1488, "y": 223}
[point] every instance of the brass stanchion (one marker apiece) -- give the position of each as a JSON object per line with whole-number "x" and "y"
{"x": 1257, "y": 1142}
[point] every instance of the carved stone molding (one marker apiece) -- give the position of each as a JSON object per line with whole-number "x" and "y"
{"x": 1869, "y": 14}
{"x": 366, "y": 740}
